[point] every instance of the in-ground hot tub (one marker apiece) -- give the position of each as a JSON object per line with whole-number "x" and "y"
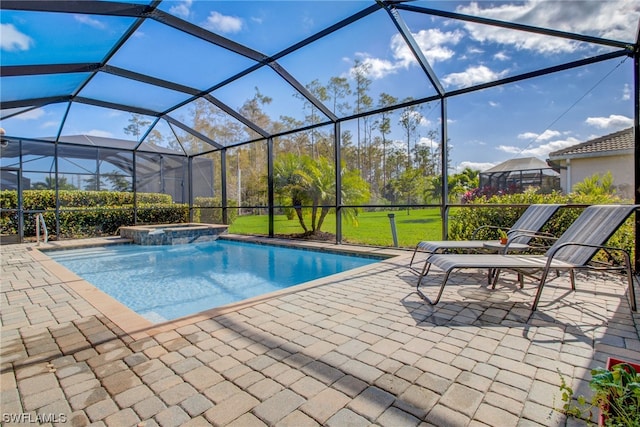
{"x": 173, "y": 234}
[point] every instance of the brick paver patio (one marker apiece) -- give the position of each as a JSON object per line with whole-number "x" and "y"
{"x": 358, "y": 349}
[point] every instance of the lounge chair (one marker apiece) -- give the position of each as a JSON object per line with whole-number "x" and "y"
{"x": 573, "y": 250}
{"x": 519, "y": 235}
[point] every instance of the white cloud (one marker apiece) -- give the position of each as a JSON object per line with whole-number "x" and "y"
{"x": 429, "y": 142}
{"x": 375, "y": 68}
{"x": 432, "y": 43}
{"x": 541, "y": 150}
{"x": 50, "y": 124}
{"x": 613, "y": 121}
{"x": 34, "y": 114}
{"x": 307, "y": 22}
{"x": 223, "y": 23}
{"x": 398, "y": 143}
{"x": 98, "y": 132}
{"x": 528, "y": 135}
{"x": 616, "y": 19}
{"x": 481, "y": 166}
{"x": 544, "y": 136}
{"x": 493, "y": 104}
{"x": 626, "y": 92}
{"x": 413, "y": 116}
{"x": 182, "y": 9}
{"x": 13, "y": 40}
{"x": 501, "y": 56}
{"x": 548, "y": 134}
{"x": 85, "y": 19}
{"x": 471, "y": 76}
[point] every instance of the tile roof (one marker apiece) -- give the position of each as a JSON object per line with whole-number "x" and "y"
{"x": 618, "y": 141}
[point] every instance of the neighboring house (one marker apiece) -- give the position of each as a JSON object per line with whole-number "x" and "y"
{"x": 520, "y": 174}
{"x": 610, "y": 153}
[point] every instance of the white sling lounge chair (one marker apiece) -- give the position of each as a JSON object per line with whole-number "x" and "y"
{"x": 531, "y": 221}
{"x": 573, "y": 250}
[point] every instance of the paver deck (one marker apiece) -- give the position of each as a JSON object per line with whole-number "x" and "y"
{"x": 360, "y": 348}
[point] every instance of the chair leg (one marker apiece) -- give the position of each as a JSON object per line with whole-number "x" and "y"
{"x": 521, "y": 279}
{"x": 413, "y": 257}
{"x": 543, "y": 279}
{"x": 494, "y": 279}
{"x": 424, "y": 272}
{"x": 496, "y": 274}
{"x": 426, "y": 298}
{"x": 572, "y": 278}
{"x": 632, "y": 292}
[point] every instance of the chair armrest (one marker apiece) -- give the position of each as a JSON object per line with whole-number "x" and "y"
{"x": 531, "y": 233}
{"x": 547, "y": 238}
{"x": 624, "y": 252}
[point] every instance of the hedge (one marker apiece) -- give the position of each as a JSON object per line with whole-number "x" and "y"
{"x": 89, "y": 213}
{"x": 465, "y": 221}
{"x": 46, "y": 199}
{"x": 209, "y": 210}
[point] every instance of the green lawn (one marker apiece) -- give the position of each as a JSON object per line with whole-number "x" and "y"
{"x": 373, "y": 228}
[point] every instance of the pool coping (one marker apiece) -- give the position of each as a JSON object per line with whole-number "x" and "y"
{"x": 136, "y": 326}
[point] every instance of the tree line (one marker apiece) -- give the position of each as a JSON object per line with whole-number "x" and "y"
{"x": 405, "y": 169}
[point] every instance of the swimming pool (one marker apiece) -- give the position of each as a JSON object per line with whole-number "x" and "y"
{"x": 164, "y": 283}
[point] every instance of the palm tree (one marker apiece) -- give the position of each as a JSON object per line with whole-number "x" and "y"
{"x": 289, "y": 182}
{"x": 312, "y": 181}
{"x": 321, "y": 177}
{"x": 596, "y": 185}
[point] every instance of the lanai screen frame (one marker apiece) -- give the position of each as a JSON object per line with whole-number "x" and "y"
{"x": 141, "y": 12}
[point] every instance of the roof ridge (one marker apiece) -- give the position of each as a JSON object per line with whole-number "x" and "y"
{"x": 596, "y": 143}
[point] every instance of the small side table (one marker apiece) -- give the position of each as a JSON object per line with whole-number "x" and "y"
{"x": 496, "y": 246}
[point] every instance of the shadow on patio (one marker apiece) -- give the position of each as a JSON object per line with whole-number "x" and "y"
{"x": 361, "y": 350}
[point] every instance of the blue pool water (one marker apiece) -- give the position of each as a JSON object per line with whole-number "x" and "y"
{"x": 166, "y": 282}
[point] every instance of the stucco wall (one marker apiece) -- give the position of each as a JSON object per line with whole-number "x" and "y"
{"x": 621, "y": 167}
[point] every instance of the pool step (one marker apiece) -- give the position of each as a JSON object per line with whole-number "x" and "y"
{"x": 85, "y": 253}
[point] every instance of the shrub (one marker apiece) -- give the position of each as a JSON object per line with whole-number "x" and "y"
{"x": 466, "y": 220}
{"x": 487, "y": 192}
{"x": 616, "y": 394}
{"x": 88, "y": 213}
{"x": 209, "y": 210}
{"x": 86, "y": 222}
{"x": 162, "y": 214}
{"x": 8, "y": 199}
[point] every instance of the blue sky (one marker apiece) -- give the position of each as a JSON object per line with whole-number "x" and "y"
{"x": 528, "y": 118}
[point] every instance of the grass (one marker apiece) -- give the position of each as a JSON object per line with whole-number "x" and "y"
{"x": 372, "y": 228}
